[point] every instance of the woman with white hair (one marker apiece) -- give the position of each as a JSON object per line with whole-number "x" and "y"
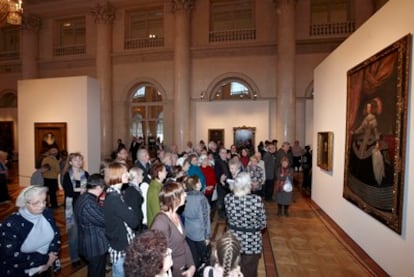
{"x": 29, "y": 238}
{"x": 246, "y": 219}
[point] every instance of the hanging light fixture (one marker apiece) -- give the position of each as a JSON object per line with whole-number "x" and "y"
{"x": 11, "y": 12}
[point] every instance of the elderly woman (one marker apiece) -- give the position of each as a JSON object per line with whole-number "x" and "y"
{"x": 172, "y": 197}
{"x": 148, "y": 256}
{"x": 256, "y": 175}
{"x": 29, "y": 238}
{"x": 246, "y": 219}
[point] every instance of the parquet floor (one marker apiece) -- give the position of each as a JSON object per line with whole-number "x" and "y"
{"x": 307, "y": 243}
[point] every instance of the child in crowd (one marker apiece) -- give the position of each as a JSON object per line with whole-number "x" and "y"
{"x": 227, "y": 258}
{"x": 37, "y": 176}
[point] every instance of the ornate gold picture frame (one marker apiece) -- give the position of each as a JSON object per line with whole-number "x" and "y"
{"x": 325, "y": 149}
{"x": 376, "y": 131}
{"x": 244, "y": 136}
{"x": 48, "y": 135}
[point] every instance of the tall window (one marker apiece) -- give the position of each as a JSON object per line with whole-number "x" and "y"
{"x": 147, "y": 118}
{"x": 9, "y": 43}
{"x": 70, "y": 37}
{"x": 144, "y": 28}
{"x": 233, "y": 89}
{"x": 332, "y": 17}
{"x": 232, "y": 20}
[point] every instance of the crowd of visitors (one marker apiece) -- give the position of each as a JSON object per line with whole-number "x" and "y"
{"x": 155, "y": 211}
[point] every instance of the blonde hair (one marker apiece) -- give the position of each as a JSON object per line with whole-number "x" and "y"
{"x": 134, "y": 172}
{"x": 26, "y": 195}
{"x": 71, "y": 157}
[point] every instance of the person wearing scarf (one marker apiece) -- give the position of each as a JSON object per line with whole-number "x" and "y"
{"x": 29, "y": 238}
{"x": 74, "y": 183}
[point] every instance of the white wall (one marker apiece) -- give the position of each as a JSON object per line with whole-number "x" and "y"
{"x": 225, "y": 115}
{"x": 74, "y": 100}
{"x": 393, "y": 252}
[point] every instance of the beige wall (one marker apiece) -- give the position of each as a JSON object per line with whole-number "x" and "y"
{"x": 393, "y": 252}
{"x": 74, "y": 100}
{"x": 222, "y": 115}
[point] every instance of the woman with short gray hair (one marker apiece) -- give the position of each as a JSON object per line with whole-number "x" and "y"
{"x": 246, "y": 219}
{"x": 29, "y": 238}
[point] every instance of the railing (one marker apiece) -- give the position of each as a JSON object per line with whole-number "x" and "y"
{"x": 143, "y": 43}
{"x": 9, "y": 55}
{"x": 230, "y": 35}
{"x": 344, "y": 28}
{"x": 67, "y": 50}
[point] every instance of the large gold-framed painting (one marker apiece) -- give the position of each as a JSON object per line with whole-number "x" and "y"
{"x": 376, "y": 131}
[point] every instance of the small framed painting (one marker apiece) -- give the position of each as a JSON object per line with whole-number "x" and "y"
{"x": 325, "y": 149}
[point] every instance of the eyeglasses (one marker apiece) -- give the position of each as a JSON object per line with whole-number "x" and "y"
{"x": 37, "y": 203}
{"x": 168, "y": 253}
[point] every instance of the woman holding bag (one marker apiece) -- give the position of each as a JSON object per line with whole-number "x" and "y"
{"x": 284, "y": 175}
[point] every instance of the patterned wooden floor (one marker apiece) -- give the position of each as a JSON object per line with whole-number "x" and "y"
{"x": 307, "y": 243}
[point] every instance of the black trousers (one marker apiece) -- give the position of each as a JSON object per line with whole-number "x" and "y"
{"x": 96, "y": 266}
{"x": 52, "y": 184}
{"x": 249, "y": 264}
{"x": 268, "y": 189}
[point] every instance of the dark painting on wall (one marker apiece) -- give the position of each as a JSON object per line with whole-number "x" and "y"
{"x": 325, "y": 150}
{"x": 49, "y": 135}
{"x": 216, "y": 135}
{"x": 376, "y": 133}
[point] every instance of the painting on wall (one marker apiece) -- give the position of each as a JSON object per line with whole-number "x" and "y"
{"x": 49, "y": 135}
{"x": 325, "y": 150}
{"x": 216, "y": 135}
{"x": 244, "y": 137}
{"x": 376, "y": 132}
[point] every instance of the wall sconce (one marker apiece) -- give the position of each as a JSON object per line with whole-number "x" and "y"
{"x": 254, "y": 95}
{"x": 202, "y": 95}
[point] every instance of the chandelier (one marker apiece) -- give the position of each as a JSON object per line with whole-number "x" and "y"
{"x": 11, "y": 12}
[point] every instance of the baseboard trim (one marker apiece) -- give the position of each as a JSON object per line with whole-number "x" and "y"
{"x": 352, "y": 247}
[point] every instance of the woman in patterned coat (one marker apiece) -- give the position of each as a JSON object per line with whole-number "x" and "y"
{"x": 246, "y": 220}
{"x": 29, "y": 238}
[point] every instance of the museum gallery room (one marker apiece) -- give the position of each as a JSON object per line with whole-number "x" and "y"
{"x": 334, "y": 75}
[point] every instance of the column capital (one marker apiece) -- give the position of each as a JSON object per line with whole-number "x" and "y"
{"x": 284, "y": 2}
{"x": 103, "y": 13}
{"x": 182, "y": 4}
{"x": 31, "y": 22}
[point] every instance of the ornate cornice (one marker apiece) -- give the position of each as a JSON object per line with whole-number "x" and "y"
{"x": 103, "y": 13}
{"x": 182, "y": 4}
{"x": 31, "y": 22}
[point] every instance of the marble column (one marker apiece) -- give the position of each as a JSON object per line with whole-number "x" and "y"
{"x": 286, "y": 54}
{"x": 182, "y": 9}
{"x": 29, "y": 46}
{"x": 104, "y": 16}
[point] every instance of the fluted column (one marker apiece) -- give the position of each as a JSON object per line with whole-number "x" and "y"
{"x": 104, "y": 16}
{"x": 286, "y": 54}
{"x": 182, "y": 9}
{"x": 29, "y": 46}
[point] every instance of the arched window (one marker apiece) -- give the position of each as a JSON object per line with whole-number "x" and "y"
{"x": 232, "y": 89}
{"x": 147, "y": 113}
{"x": 8, "y": 100}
